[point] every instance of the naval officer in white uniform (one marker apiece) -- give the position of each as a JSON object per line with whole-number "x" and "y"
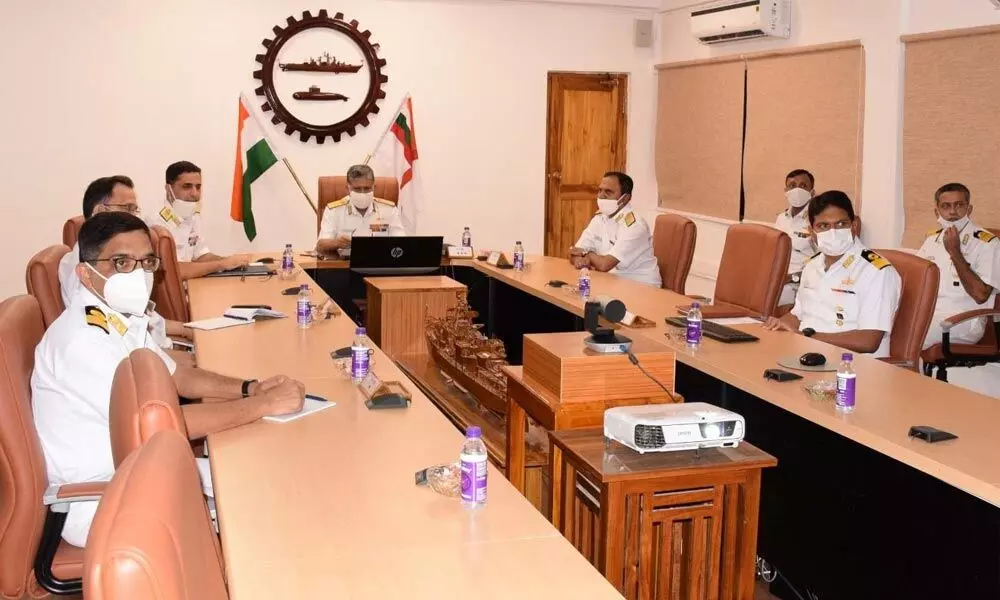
{"x": 849, "y": 294}
{"x": 76, "y": 360}
{"x": 968, "y": 257}
{"x": 360, "y": 213}
{"x": 794, "y": 220}
{"x": 617, "y": 240}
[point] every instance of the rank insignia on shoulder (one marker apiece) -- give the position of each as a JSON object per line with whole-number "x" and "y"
{"x": 96, "y": 318}
{"x": 629, "y": 219}
{"x": 985, "y": 236}
{"x": 876, "y": 259}
{"x": 168, "y": 215}
{"x": 116, "y": 322}
{"x": 384, "y": 201}
{"x": 337, "y": 203}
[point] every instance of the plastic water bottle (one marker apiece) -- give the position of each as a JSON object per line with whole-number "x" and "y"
{"x": 360, "y": 356}
{"x": 473, "y": 468}
{"x": 303, "y": 310}
{"x": 846, "y": 378}
{"x": 466, "y": 238}
{"x": 287, "y": 262}
{"x": 693, "y": 334}
{"x": 584, "y": 283}
{"x": 518, "y": 256}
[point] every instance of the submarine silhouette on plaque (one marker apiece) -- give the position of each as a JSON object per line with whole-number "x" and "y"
{"x": 315, "y": 93}
{"x": 323, "y": 64}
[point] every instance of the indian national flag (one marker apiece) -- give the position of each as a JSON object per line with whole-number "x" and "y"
{"x": 254, "y": 156}
{"x": 398, "y": 154}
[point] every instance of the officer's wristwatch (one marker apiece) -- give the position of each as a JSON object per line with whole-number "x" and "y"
{"x": 245, "y": 388}
{"x": 808, "y": 332}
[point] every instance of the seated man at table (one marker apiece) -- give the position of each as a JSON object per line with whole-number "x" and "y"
{"x": 117, "y": 194}
{"x": 617, "y": 240}
{"x": 799, "y": 186}
{"x": 181, "y": 216}
{"x": 359, "y": 213}
{"x": 849, "y": 294}
{"x": 968, "y": 257}
{"x": 76, "y": 360}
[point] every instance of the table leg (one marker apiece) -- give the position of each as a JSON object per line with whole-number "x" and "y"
{"x": 556, "y": 469}
{"x": 516, "y": 423}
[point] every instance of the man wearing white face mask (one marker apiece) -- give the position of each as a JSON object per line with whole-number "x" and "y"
{"x": 181, "y": 216}
{"x": 76, "y": 360}
{"x": 969, "y": 260}
{"x": 849, "y": 294}
{"x": 617, "y": 240}
{"x": 358, "y": 214}
{"x": 799, "y": 186}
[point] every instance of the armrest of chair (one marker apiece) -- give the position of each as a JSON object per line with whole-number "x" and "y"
{"x": 58, "y": 499}
{"x": 900, "y": 362}
{"x": 954, "y": 320}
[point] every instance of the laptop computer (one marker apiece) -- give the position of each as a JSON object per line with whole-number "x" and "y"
{"x": 403, "y": 255}
{"x": 253, "y": 270}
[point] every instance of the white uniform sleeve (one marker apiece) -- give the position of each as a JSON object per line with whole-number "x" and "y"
{"x": 925, "y": 248}
{"x": 396, "y": 223}
{"x": 326, "y": 229}
{"x": 201, "y": 248}
{"x": 879, "y": 300}
{"x": 152, "y": 345}
{"x": 987, "y": 263}
{"x": 68, "y": 281}
{"x": 588, "y": 239}
{"x": 632, "y": 242}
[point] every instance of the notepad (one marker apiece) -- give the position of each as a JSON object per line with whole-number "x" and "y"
{"x": 234, "y": 317}
{"x": 312, "y": 404}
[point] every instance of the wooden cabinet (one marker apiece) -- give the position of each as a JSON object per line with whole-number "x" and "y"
{"x": 397, "y": 307}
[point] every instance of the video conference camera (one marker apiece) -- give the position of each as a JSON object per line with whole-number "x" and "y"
{"x": 604, "y": 339}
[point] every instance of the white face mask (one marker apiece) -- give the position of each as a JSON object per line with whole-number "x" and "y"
{"x": 834, "y": 242}
{"x": 128, "y": 293}
{"x": 184, "y": 210}
{"x": 362, "y": 200}
{"x": 959, "y": 224}
{"x": 798, "y": 197}
{"x": 607, "y": 206}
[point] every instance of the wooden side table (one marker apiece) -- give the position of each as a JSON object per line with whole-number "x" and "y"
{"x": 660, "y": 525}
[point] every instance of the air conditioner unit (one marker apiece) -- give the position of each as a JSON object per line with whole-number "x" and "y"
{"x": 734, "y": 21}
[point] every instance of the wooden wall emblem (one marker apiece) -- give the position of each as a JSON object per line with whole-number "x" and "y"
{"x": 299, "y": 89}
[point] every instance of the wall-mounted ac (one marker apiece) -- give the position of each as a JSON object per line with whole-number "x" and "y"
{"x": 742, "y": 20}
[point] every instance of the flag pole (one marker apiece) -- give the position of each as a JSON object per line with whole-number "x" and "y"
{"x": 302, "y": 188}
{"x": 387, "y": 129}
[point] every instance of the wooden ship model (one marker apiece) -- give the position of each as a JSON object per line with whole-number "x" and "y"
{"x": 474, "y": 361}
{"x": 323, "y": 64}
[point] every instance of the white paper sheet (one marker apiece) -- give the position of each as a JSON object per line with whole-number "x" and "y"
{"x": 311, "y": 405}
{"x": 216, "y": 323}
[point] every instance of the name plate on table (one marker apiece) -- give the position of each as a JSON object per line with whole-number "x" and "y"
{"x": 497, "y": 259}
{"x": 373, "y": 387}
{"x": 459, "y": 251}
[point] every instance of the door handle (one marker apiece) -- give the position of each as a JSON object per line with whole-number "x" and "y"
{"x": 555, "y": 175}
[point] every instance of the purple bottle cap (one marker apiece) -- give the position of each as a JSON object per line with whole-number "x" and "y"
{"x": 474, "y": 431}
{"x": 846, "y": 356}
{"x": 360, "y": 331}
{"x": 696, "y": 305}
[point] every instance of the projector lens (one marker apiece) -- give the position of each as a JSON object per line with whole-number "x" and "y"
{"x": 710, "y": 431}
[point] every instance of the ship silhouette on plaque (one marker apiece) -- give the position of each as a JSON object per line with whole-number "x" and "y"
{"x": 315, "y": 93}
{"x": 323, "y": 64}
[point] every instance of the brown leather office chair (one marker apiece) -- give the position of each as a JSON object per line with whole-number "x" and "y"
{"x": 32, "y": 553}
{"x": 674, "y": 238}
{"x": 920, "y": 279}
{"x": 143, "y": 401}
{"x": 42, "y": 281}
{"x": 152, "y": 537}
{"x": 334, "y": 187}
{"x": 947, "y": 354}
{"x": 71, "y": 230}
{"x": 168, "y": 290}
{"x": 753, "y": 268}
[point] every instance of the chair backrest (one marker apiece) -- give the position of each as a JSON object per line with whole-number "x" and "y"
{"x": 920, "y": 279}
{"x": 168, "y": 291}
{"x": 22, "y": 465}
{"x": 143, "y": 402}
{"x": 152, "y": 537}
{"x": 42, "y": 281}
{"x": 674, "y": 237}
{"x": 71, "y": 230}
{"x": 753, "y": 267}
{"x": 334, "y": 187}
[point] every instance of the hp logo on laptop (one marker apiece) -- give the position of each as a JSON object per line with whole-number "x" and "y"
{"x": 396, "y": 252}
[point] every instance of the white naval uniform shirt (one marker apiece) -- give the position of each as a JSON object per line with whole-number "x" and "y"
{"x": 71, "y": 393}
{"x": 341, "y": 218}
{"x": 625, "y": 236}
{"x": 187, "y": 232}
{"x": 797, "y": 228}
{"x": 859, "y": 291}
{"x": 69, "y": 283}
{"x": 981, "y": 249}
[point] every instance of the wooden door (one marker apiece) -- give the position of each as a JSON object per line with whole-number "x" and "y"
{"x": 586, "y": 138}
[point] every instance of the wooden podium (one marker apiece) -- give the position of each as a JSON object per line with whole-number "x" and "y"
{"x": 397, "y": 307}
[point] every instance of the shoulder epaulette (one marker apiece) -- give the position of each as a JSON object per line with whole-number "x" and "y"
{"x": 877, "y": 260}
{"x": 984, "y": 236}
{"x": 934, "y": 232}
{"x": 96, "y": 318}
{"x": 629, "y": 219}
{"x": 337, "y": 203}
{"x": 168, "y": 215}
{"x": 384, "y": 201}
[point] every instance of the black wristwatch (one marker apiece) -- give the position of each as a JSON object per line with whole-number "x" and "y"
{"x": 808, "y": 332}
{"x": 245, "y": 388}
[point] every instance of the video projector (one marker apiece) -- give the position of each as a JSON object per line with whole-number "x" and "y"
{"x": 669, "y": 427}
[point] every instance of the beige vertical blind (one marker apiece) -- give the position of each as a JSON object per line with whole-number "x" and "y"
{"x": 951, "y": 124}
{"x": 805, "y": 110}
{"x": 699, "y": 134}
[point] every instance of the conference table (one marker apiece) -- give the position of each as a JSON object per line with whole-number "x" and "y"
{"x": 326, "y": 505}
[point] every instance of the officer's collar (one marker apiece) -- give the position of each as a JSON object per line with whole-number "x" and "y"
{"x": 852, "y": 254}
{"x": 351, "y": 209}
{"x": 621, "y": 212}
{"x": 86, "y": 298}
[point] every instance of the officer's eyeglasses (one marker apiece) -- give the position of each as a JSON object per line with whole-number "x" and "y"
{"x": 820, "y": 227}
{"x": 127, "y": 264}
{"x": 129, "y": 208}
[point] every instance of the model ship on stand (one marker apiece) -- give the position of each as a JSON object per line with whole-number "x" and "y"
{"x": 323, "y": 64}
{"x": 472, "y": 360}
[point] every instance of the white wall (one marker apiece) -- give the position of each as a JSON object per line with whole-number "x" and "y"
{"x": 878, "y": 24}
{"x": 116, "y": 86}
